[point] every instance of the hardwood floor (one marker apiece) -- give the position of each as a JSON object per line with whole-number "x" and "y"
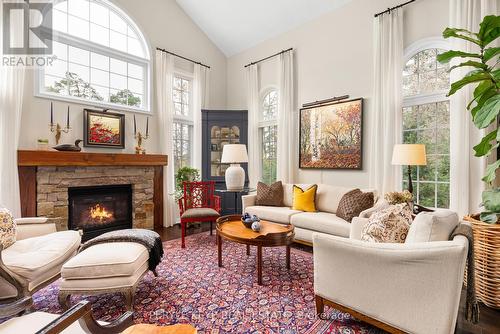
{"x": 489, "y": 318}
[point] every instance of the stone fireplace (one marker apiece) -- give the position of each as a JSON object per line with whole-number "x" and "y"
{"x": 99, "y": 209}
{"x": 52, "y": 183}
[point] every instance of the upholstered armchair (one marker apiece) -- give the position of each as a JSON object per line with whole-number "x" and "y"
{"x": 35, "y": 259}
{"x": 199, "y": 204}
{"x": 401, "y": 288}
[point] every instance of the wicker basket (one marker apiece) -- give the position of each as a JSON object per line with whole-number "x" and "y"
{"x": 487, "y": 260}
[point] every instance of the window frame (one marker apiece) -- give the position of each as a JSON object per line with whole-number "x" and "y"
{"x": 189, "y": 119}
{"x": 422, "y": 99}
{"x": 74, "y": 41}
{"x": 266, "y": 123}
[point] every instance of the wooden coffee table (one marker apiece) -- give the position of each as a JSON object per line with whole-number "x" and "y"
{"x": 270, "y": 235}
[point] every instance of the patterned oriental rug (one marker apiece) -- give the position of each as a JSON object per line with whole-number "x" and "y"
{"x": 191, "y": 288}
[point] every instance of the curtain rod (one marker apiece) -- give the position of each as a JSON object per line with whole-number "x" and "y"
{"x": 388, "y": 10}
{"x": 274, "y": 55}
{"x": 182, "y": 57}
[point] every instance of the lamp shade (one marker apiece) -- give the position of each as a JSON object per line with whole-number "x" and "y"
{"x": 234, "y": 154}
{"x": 409, "y": 155}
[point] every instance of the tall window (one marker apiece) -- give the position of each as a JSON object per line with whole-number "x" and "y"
{"x": 102, "y": 57}
{"x": 183, "y": 122}
{"x": 426, "y": 120}
{"x": 268, "y": 134}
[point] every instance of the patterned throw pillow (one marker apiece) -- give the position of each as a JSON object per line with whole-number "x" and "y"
{"x": 305, "y": 200}
{"x": 7, "y": 228}
{"x": 388, "y": 225}
{"x": 353, "y": 203}
{"x": 269, "y": 195}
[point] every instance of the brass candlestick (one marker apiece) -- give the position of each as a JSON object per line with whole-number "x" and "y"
{"x": 140, "y": 137}
{"x": 56, "y": 127}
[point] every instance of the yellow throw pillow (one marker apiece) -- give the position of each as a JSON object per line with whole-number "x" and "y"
{"x": 304, "y": 200}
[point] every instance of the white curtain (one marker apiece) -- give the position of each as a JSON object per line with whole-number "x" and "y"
{"x": 165, "y": 113}
{"x": 286, "y": 112}
{"x": 200, "y": 101}
{"x": 466, "y": 170}
{"x": 11, "y": 99}
{"x": 254, "y": 159}
{"x": 386, "y": 122}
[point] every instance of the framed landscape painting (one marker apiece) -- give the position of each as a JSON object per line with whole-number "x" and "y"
{"x": 331, "y": 136}
{"x": 103, "y": 129}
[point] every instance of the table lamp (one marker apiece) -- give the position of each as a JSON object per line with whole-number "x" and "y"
{"x": 234, "y": 154}
{"x": 409, "y": 155}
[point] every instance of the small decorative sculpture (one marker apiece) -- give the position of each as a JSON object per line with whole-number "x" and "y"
{"x": 140, "y": 137}
{"x": 256, "y": 226}
{"x": 69, "y": 147}
{"x": 249, "y": 221}
{"x": 56, "y": 127}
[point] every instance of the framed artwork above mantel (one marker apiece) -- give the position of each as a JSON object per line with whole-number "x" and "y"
{"x": 103, "y": 129}
{"x": 331, "y": 136}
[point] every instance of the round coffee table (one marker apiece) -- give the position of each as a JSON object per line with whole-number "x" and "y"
{"x": 270, "y": 235}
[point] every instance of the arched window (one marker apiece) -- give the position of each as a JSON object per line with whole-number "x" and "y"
{"x": 102, "y": 57}
{"x": 426, "y": 120}
{"x": 268, "y": 133}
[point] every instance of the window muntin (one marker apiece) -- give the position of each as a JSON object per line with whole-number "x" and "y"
{"x": 426, "y": 120}
{"x": 183, "y": 121}
{"x": 268, "y": 130}
{"x": 181, "y": 96}
{"x": 101, "y": 57}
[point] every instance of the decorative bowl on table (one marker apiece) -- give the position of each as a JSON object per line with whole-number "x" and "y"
{"x": 248, "y": 220}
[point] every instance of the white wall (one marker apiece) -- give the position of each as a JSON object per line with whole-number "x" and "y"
{"x": 334, "y": 57}
{"x": 165, "y": 25}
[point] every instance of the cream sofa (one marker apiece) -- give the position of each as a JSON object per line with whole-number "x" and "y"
{"x": 411, "y": 287}
{"x": 306, "y": 223}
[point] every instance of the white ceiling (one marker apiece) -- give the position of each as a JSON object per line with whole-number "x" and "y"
{"x": 236, "y": 25}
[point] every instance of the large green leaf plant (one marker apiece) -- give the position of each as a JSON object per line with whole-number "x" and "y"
{"x": 485, "y": 105}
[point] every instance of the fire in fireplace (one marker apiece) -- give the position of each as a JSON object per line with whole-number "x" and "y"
{"x": 100, "y": 209}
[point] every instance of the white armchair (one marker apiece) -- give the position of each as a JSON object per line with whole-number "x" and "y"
{"x": 410, "y": 288}
{"x": 35, "y": 259}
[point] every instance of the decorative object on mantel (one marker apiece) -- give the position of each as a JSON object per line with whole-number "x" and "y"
{"x": 56, "y": 127}
{"x": 103, "y": 129}
{"x": 69, "y": 147}
{"x": 485, "y": 111}
{"x": 331, "y": 134}
{"x": 42, "y": 144}
{"x": 140, "y": 137}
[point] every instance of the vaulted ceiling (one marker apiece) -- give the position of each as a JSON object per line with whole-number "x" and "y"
{"x": 236, "y": 25}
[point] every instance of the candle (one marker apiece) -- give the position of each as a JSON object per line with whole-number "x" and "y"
{"x": 67, "y": 120}
{"x": 51, "y": 113}
{"x": 135, "y": 127}
{"x": 147, "y": 126}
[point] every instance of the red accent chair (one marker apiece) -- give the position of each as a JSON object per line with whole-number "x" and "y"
{"x": 199, "y": 204}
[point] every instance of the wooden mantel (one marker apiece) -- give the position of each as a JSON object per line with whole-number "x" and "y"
{"x": 56, "y": 158}
{"x": 29, "y": 160}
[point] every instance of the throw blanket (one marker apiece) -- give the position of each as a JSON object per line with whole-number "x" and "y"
{"x": 149, "y": 239}
{"x": 471, "y": 306}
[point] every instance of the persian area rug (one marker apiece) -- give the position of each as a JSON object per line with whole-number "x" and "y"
{"x": 191, "y": 288}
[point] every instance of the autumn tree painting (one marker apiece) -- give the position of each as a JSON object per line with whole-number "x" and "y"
{"x": 331, "y": 135}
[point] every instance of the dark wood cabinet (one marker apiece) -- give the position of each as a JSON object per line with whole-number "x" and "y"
{"x": 222, "y": 127}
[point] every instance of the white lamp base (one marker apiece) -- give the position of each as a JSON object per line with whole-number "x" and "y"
{"x": 235, "y": 177}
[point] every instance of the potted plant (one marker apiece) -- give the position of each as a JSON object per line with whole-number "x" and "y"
{"x": 184, "y": 174}
{"x": 484, "y": 108}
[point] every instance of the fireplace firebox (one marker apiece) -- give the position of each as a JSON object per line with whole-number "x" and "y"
{"x": 99, "y": 209}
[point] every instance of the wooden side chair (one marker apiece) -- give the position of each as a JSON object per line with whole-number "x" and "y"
{"x": 198, "y": 204}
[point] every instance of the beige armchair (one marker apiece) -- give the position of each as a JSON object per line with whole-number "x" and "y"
{"x": 401, "y": 288}
{"x": 35, "y": 259}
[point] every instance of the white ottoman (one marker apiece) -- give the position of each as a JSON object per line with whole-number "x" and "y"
{"x": 104, "y": 268}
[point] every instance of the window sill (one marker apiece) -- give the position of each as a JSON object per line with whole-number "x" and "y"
{"x": 90, "y": 103}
